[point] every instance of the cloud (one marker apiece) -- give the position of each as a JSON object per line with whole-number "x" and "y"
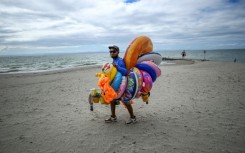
{"x": 94, "y": 24}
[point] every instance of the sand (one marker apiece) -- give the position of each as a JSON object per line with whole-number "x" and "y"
{"x": 195, "y": 108}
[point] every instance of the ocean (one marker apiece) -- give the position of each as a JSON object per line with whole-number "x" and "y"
{"x": 50, "y": 62}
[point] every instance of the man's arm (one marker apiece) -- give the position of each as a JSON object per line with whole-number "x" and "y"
{"x": 121, "y": 67}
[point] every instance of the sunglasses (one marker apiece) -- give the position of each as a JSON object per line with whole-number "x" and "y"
{"x": 113, "y": 51}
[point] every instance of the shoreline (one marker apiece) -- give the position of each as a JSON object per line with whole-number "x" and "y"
{"x": 165, "y": 62}
{"x": 49, "y": 72}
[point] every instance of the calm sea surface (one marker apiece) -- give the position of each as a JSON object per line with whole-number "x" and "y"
{"x": 49, "y": 62}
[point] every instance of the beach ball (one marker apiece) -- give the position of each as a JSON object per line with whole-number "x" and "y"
{"x": 107, "y": 67}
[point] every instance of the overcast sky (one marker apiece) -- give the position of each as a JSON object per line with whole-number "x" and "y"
{"x": 34, "y": 26}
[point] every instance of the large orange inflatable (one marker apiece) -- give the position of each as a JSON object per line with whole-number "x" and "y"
{"x": 140, "y": 45}
{"x": 107, "y": 92}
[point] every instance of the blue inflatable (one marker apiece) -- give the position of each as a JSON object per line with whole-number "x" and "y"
{"x": 116, "y": 81}
{"x": 148, "y": 69}
{"x": 132, "y": 87}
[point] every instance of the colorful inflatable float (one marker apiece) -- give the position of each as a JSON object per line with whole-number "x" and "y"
{"x": 151, "y": 56}
{"x": 132, "y": 87}
{"x": 142, "y": 65}
{"x": 139, "y": 46}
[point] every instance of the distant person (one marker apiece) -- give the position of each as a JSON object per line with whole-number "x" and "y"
{"x": 235, "y": 60}
{"x": 183, "y": 54}
{"x": 204, "y": 53}
{"x": 121, "y": 67}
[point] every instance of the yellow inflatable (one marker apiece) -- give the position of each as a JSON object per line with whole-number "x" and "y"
{"x": 140, "y": 45}
{"x": 102, "y": 101}
{"x": 107, "y": 70}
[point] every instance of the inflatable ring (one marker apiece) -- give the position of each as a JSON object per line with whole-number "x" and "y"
{"x": 147, "y": 82}
{"x": 140, "y": 45}
{"x": 151, "y": 56}
{"x": 139, "y": 76}
{"x": 154, "y": 66}
{"x": 148, "y": 69}
{"x": 122, "y": 87}
{"x": 115, "y": 84}
{"x": 132, "y": 87}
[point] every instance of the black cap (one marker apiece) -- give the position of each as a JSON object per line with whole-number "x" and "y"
{"x": 114, "y": 47}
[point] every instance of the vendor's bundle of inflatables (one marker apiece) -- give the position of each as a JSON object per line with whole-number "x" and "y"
{"x": 142, "y": 65}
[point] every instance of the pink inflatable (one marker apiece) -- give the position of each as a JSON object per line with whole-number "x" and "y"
{"x": 122, "y": 87}
{"x": 154, "y": 66}
{"x": 147, "y": 82}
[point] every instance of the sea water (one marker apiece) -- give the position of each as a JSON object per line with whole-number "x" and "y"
{"x": 214, "y": 55}
{"x": 49, "y": 62}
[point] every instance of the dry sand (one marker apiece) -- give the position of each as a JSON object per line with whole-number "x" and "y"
{"x": 193, "y": 108}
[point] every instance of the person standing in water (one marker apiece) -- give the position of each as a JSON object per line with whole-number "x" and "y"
{"x": 183, "y": 54}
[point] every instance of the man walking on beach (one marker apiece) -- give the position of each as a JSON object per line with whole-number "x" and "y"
{"x": 121, "y": 67}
